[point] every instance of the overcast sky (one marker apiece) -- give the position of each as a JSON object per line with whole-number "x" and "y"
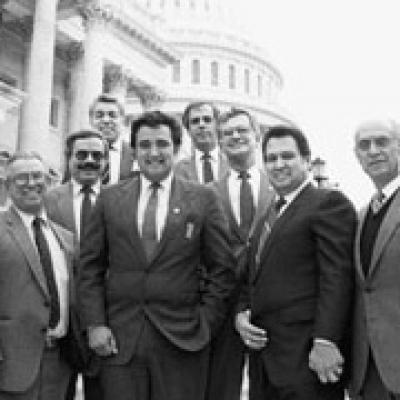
{"x": 340, "y": 61}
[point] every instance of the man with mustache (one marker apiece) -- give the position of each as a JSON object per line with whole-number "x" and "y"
{"x": 107, "y": 116}
{"x": 207, "y": 162}
{"x": 70, "y": 205}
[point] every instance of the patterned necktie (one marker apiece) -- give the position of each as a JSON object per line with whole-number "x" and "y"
{"x": 45, "y": 259}
{"x": 86, "y": 208}
{"x": 377, "y": 202}
{"x": 149, "y": 228}
{"x": 207, "y": 169}
{"x": 246, "y": 202}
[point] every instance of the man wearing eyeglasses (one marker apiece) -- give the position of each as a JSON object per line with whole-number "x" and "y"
{"x": 106, "y": 116}
{"x": 70, "y": 205}
{"x": 139, "y": 287}
{"x": 376, "y": 325}
{"x": 36, "y": 289}
{"x": 246, "y": 196}
{"x": 207, "y": 162}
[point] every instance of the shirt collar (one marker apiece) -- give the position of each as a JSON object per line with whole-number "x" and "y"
{"x": 76, "y": 187}
{"x": 391, "y": 187}
{"x": 27, "y": 218}
{"x": 214, "y": 154}
{"x": 292, "y": 195}
{"x": 165, "y": 183}
{"x": 252, "y": 171}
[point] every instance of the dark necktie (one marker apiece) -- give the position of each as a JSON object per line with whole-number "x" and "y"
{"x": 107, "y": 168}
{"x": 45, "y": 259}
{"x": 246, "y": 202}
{"x": 207, "y": 168}
{"x": 279, "y": 203}
{"x": 378, "y": 200}
{"x": 149, "y": 228}
{"x": 86, "y": 208}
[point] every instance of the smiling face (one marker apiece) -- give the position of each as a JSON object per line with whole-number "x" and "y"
{"x": 27, "y": 184}
{"x": 377, "y": 150}
{"x": 155, "y": 152}
{"x": 202, "y": 127}
{"x": 238, "y": 138}
{"x": 286, "y": 167}
{"x": 106, "y": 118}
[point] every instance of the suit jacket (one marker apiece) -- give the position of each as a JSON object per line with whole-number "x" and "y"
{"x": 24, "y": 302}
{"x": 186, "y": 168}
{"x": 166, "y": 289}
{"x": 127, "y": 158}
{"x": 302, "y": 288}
{"x": 376, "y": 323}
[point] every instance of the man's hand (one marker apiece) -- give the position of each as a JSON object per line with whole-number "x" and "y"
{"x": 326, "y": 361}
{"x": 102, "y": 341}
{"x": 253, "y": 337}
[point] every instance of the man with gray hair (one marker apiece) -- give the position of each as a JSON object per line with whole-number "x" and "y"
{"x": 376, "y": 351}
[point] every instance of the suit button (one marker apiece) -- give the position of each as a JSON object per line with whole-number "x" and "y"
{"x": 46, "y": 304}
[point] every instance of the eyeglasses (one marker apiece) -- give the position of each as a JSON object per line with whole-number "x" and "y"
{"x": 380, "y": 142}
{"x": 285, "y": 156}
{"x": 205, "y": 118}
{"x": 82, "y": 155}
{"x": 101, "y": 114}
{"x": 159, "y": 144}
{"x": 24, "y": 178}
{"x": 240, "y": 130}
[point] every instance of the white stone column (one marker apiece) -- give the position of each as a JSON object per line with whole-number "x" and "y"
{"x": 39, "y": 78}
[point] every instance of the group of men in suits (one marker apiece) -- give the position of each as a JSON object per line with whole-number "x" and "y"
{"x": 184, "y": 270}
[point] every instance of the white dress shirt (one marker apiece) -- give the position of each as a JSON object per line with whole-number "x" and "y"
{"x": 162, "y": 204}
{"x": 234, "y": 184}
{"x": 77, "y": 197}
{"x": 199, "y": 162}
{"x": 114, "y": 156}
{"x": 60, "y": 268}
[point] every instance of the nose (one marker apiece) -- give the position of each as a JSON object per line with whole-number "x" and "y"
{"x": 373, "y": 148}
{"x": 235, "y": 134}
{"x": 153, "y": 150}
{"x": 279, "y": 163}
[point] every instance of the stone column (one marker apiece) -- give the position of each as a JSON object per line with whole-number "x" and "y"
{"x": 115, "y": 82}
{"x": 39, "y": 78}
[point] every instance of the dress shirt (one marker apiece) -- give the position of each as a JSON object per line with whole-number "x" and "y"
{"x": 199, "y": 162}
{"x": 163, "y": 202}
{"x": 59, "y": 264}
{"x": 234, "y": 184}
{"x": 114, "y": 157}
{"x": 290, "y": 197}
{"x": 77, "y": 196}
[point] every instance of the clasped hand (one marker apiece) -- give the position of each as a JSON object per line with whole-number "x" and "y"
{"x": 253, "y": 337}
{"x": 102, "y": 341}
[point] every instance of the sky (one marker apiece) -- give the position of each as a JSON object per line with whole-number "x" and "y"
{"x": 340, "y": 62}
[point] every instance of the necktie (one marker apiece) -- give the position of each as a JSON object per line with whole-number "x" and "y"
{"x": 149, "y": 228}
{"x": 279, "y": 204}
{"x": 107, "y": 168}
{"x": 207, "y": 169}
{"x": 246, "y": 202}
{"x": 86, "y": 208}
{"x": 378, "y": 200}
{"x": 45, "y": 259}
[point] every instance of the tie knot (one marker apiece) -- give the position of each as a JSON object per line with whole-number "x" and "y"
{"x": 244, "y": 175}
{"x": 155, "y": 186}
{"x": 279, "y": 203}
{"x": 86, "y": 189}
{"x": 206, "y": 156}
{"x": 378, "y": 199}
{"x": 37, "y": 222}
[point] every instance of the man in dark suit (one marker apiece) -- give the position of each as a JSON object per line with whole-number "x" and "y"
{"x": 246, "y": 195}
{"x": 207, "y": 162}
{"x": 376, "y": 325}
{"x": 70, "y": 205}
{"x": 300, "y": 281}
{"x": 139, "y": 281}
{"x": 107, "y": 116}
{"x": 36, "y": 289}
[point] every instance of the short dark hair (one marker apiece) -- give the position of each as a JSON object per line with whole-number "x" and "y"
{"x": 154, "y": 119}
{"x": 195, "y": 105}
{"x": 280, "y": 131}
{"x": 105, "y": 98}
{"x": 82, "y": 134}
{"x": 234, "y": 112}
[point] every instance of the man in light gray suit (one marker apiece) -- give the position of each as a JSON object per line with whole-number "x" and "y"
{"x": 376, "y": 343}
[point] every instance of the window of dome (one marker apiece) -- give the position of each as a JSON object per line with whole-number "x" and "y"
{"x": 177, "y": 3}
{"x": 196, "y": 71}
{"x": 176, "y": 72}
{"x": 247, "y": 81}
{"x": 207, "y": 5}
{"x": 148, "y": 3}
{"x": 192, "y": 4}
{"x": 162, "y": 3}
{"x": 232, "y": 77}
{"x": 214, "y": 73}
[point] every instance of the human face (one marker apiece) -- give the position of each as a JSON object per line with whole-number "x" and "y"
{"x": 286, "y": 167}
{"x": 377, "y": 150}
{"x": 238, "y": 139}
{"x": 155, "y": 152}
{"x": 203, "y": 128}
{"x": 107, "y": 119}
{"x": 87, "y": 160}
{"x": 26, "y": 181}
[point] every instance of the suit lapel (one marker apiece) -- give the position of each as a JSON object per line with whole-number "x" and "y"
{"x": 388, "y": 226}
{"x": 357, "y": 243}
{"x": 223, "y": 166}
{"x": 66, "y": 206}
{"x": 21, "y": 235}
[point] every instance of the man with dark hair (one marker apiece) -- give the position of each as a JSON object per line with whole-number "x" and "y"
{"x": 139, "y": 282}
{"x": 70, "y": 206}
{"x": 246, "y": 196}
{"x": 207, "y": 163}
{"x": 107, "y": 116}
{"x": 36, "y": 289}
{"x": 296, "y": 310}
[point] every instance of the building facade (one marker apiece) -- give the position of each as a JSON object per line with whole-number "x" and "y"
{"x": 56, "y": 56}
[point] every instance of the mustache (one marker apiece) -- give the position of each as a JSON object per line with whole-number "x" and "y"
{"x": 89, "y": 166}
